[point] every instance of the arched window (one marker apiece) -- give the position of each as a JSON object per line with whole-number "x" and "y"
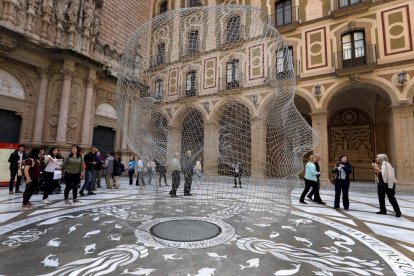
{"x": 233, "y": 74}
{"x": 190, "y": 86}
{"x": 283, "y": 13}
{"x": 345, "y": 3}
{"x": 233, "y": 29}
{"x": 164, "y": 7}
{"x": 283, "y": 64}
{"x": 158, "y": 89}
{"x": 193, "y": 42}
{"x": 353, "y": 49}
{"x": 160, "y": 53}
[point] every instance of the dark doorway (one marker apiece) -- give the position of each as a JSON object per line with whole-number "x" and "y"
{"x": 9, "y": 126}
{"x": 104, "y": 139}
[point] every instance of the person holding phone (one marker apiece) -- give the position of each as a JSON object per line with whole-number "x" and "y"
{"x": 342, "y": 170}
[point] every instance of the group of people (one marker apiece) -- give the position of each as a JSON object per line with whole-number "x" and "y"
{"x": 384, "y": 177}
{"x": 37, "y": 167}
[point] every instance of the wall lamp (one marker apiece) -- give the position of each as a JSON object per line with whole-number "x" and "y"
{"x": 318, "y": 92}
{"x": 254, "y": 99}
{"x": 402, "y": 77}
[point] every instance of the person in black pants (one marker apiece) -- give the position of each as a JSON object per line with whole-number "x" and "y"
{"x": 175, "y": 168}
{"x": 237, "y": 174}
{"x": 162, "y": 172}
{"x": 73, "y": 165}
{"x": 318, "y": 182}
{"x": 32, "y": 169}
{"x": 385, "y": 176}
{"x": 16, "y": 160}
{"x": 188, "y": 170}
{"x": 342, "y": 170}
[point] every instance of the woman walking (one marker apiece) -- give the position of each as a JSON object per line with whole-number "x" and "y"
{"x": 131, "y": 170}
{"x": 32, "y": 169}
{"x": 311, "y": 181}
{"x": 198, "y": 169}
{"x": 342, "y": 170}
{"x": 117, "y": 171}
{"x": 385, "y": 177}
{"x": 151, "y": 166}
{"x": 52, "y": 163}
{"x": 73, "y": 165}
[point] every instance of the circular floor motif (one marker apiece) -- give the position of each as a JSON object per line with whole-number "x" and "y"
{"x": 185, "y": 230}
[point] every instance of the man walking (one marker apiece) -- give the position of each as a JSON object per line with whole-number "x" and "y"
{"x": 16, "y": 160}
{"x": 175, "y": 168}
{"x": 90, "y": 160}
{"x": 188, "y": 170}
{"x": 140, "y": 171}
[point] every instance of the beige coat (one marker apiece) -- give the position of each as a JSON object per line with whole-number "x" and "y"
{"x": 388, "y": 174}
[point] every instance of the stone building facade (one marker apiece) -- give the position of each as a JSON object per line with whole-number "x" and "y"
{"x": 58, "y": 66}
{"x": 354, "y": 62}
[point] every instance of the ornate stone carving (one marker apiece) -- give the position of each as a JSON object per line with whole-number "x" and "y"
{"x": 44, "y": 73}
{"x": 73, "y": 10}
{"x": 7, "y": 44}
{"x": 61, "y": 7}
{"x": 67, "y": 73}
{"x": 90, "y": 83}
{"x": 47, "y": 7}
{"x": 88, "y": 15}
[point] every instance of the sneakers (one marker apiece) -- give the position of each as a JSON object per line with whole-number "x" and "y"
{"x": 46, "y": 201}
{"x": 27, "y": 206}
{"x": 303, "y": 202}
{"x": 321, "y": 202}
{"x": 76, "y": 201}
{"x": 67, "y": 202}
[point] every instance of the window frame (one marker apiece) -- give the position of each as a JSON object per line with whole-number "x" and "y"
{"x": 356, "y": 56}
{"x": 233, "y": 29}
{"x": 159, "y": 89}
{"x": 163, "y": 7}
{"x": 348, "y": 3}
{"x": 233, "y": 73}
{"x": 282, "y": 67}
{"x": 286, "y": 12}
{"x": 161, "y": 53}
{"x": 190, "y": 83}
{"x": 191, "y": 41}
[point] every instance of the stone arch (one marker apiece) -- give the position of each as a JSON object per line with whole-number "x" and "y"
{"x": 385, "y": 89}
{"x": 409, "y": 91}
{"x": 179, "y": 114}
{"x": 215, "y": 113}
{"x": 106, "y": 110}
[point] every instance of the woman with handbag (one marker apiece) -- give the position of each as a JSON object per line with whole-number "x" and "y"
{"x": 342, "y": 170}
{"x": 385, "y": 177}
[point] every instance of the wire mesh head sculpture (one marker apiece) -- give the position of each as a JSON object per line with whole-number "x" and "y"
{"x": 186, "y": 88}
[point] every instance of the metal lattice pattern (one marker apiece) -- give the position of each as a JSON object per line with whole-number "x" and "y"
{"x": 227, "y": 137}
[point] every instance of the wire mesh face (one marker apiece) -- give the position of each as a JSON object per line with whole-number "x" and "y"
{"x": 222, "y": 137}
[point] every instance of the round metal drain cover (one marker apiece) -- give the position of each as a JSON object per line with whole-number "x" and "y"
{"x": 185, "y": 230}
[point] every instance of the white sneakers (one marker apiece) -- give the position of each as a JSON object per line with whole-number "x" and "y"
{"x": 46, "y": 201}
{"x": 68, "y": 202}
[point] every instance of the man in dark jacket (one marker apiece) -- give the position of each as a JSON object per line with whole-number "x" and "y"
{"x": 90, "y": 173}
{"x": 16, "y": 160}
{"x": 188, "y": 170}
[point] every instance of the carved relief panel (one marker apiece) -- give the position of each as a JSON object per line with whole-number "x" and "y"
{"x": 53, "y": 108}
{"x": 75, "y": 111}
{"x": 351, "y": 133}
{"x": 316, "y": 49}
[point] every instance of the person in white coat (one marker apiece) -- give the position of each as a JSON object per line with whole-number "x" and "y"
{"x": 385, "y": 177}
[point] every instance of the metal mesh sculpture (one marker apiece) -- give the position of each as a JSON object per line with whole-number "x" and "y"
{"x": 168, "y": 103}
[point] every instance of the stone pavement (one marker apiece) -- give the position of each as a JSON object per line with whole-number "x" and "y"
{"x": 112, "y": 233}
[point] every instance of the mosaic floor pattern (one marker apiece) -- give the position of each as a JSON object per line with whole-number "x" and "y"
{"x": 109, "y": 234}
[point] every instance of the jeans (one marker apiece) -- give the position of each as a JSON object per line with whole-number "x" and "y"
{"x": 98, "y": 178}
{"x": 72, "y": 181}
{"x": 312, "y": 191}
{"x": 13, "y": 173}
{"x": 341, "y": 185}
{"x": 30, "y": 188}
{"x": 163, "y": 175}
{"x": 308, "y": 185}
{"x": 237, "y": 175}
{"x": 90, "y": 178}
{"x": 140, "y": 178}
{"x": 48, "y": 178}
{"x": 384, "y": 190}
{"x": 131, "y": 176}
{"x": 188, "y": 178}
{"x": 175, "y": 182}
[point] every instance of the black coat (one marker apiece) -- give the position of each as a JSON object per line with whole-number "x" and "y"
{"x": 15, "y": 158}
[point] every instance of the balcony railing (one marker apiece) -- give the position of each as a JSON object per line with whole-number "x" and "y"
{"x": 189, "y": 91}
{"x": 364, "y": 57}
{"x": 281, "y": 19}
{"x": 345, "y": 7}
{"x": 157, "y": 61}
{"x": 235, "y": 82}
{"x": 283, "y": 70}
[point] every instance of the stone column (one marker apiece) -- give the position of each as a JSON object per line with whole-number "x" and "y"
{"x": 211, "y": 149}
{"x": 258, "y": 148}
{"x": 68, "y": 70}
{"x": 41, "y": 105}
{"x": 402, "y": 142}
{"x": 173, "y": 142}
{"x": 88, "y": 109}
{"x": 320, "y": 124}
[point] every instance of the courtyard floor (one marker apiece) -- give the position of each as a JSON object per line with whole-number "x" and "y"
{"x": 112, "y": 233}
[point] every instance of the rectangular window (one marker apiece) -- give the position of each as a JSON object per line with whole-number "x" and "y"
{"x": 284, "y": 60}
{"x": 193, "y": 42}
{"x": 190, "y": 86}
{"x": 158, "y": 89}
{"x": 164, "y": 7}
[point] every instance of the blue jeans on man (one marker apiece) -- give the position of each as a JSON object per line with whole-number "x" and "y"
{"x": 90, "y": 178}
